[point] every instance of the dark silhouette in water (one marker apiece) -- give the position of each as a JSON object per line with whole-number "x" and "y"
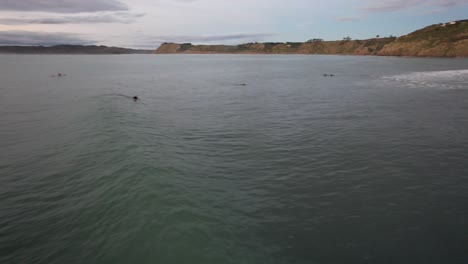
{"x": 328, "y": 75}
{"x": 134, "y": 98}
{"x": 59, "y": 75}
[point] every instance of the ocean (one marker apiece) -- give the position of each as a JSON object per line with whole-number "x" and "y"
{"x": 233, "y": 159}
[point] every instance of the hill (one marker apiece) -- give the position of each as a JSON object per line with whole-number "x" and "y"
{"x": 70, "y": 49}
{"x": 441, "y": 40}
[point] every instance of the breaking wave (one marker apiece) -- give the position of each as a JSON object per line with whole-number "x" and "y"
{"x": 453, "y": 79}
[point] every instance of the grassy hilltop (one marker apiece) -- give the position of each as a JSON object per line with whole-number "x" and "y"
{"x": 440, "y": 40}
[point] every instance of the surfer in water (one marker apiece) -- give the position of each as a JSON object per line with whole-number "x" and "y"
{"x": 134, "y": 98}
{"x": 59, "y": 75}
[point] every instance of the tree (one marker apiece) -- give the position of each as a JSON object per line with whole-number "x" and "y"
{"x": 378, "y": 36}
{"x": 347, "y": 38}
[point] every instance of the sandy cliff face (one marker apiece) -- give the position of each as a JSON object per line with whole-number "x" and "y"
{"x": 426, "y": 48}
{"x": 357, "y": 47}
{"x": 441, "y": 40}
{"x": 167, "y": 48}
{"x": 349, "y": 47}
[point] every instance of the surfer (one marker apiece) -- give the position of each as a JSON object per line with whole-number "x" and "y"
{"x": 135, "y": 98}
{"x": 59, "y": 75}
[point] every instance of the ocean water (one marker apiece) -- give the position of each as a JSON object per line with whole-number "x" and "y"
{"x": 233, "y": 159}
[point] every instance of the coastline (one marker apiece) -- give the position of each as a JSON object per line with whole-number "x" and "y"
{"x": 305, "y": 54}
{"x": 439, "y": 40}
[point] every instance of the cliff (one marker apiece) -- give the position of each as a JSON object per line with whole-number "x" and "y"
{"x": 70, "y": 49}
{"x": 441, "y": 40}
{"x": 358, "y": 47}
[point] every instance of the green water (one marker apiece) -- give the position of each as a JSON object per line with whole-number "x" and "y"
{"x": 368, "y": 166}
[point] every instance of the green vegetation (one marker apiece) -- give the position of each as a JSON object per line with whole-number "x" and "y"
{"x": 452, "y": 31}
{"x": 185, "y": 46}
{"x": 441, "y": 40}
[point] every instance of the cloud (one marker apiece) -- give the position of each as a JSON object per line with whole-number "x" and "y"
{"x": 385, "y": 6}
{"x": 390, "y": 5}
{"x": 62, "y": 6}
{"x": 213, "y": 38}
{"x": 27, "y": 38}
{"x": 115, "y": 17}
{"x": 397, "y": 5}
{"x": 155, "y": 41}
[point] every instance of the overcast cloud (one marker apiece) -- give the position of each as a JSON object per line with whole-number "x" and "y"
{"x": 212, "y": 38}
{"x": 114, "y": 17}
{"x": 62, "y": 6}
{"x": 147, "y": 23}
{"x": 154, "y": 41}
{"x": 41, "y": 38}
{"x": 395, "y": 5}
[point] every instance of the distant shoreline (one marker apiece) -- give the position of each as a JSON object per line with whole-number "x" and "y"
{"x": 70, "y": 50}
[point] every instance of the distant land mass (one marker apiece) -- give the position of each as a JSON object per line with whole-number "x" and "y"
{"x": 439, "y": 40}
{"x": 70, "y": 49}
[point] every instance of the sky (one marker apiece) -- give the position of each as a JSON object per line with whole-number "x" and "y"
{"x": 145, "y": 24}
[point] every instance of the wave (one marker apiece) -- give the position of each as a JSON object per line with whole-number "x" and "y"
{"x": 452, "y": 79}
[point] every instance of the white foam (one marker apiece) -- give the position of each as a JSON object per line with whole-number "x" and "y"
{"x": 454, "y": 79}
